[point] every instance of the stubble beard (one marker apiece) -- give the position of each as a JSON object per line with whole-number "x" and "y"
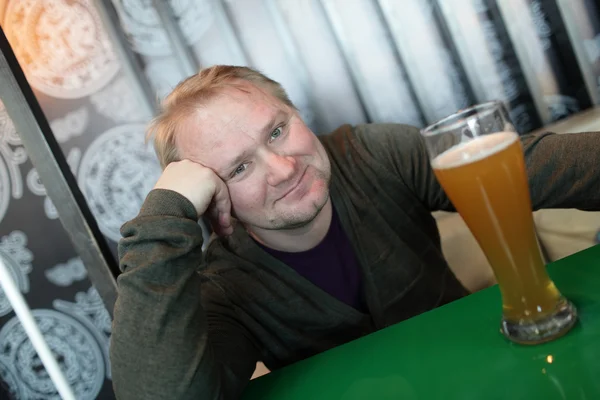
{"x": 292, "y": 220}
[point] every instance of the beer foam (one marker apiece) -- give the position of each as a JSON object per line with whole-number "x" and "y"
{"x": 474, "y": 150}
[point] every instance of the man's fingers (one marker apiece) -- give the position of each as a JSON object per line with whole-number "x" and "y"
{"x": 214, "y": 218}
{"x": 220, "y": 209}
{"x": 203, "y": 188}
{"x": 222, "y": 203}
{"x": 213, "y": 214}
{"x": 220, "y": 227}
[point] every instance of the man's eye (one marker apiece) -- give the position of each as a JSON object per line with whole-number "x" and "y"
{"x": 275, "y": 134}
{"x": 240, "y": 169}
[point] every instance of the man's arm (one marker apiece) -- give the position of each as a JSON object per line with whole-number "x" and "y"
{"x": 563, "y": 170}
{"x": 164, "y": 344}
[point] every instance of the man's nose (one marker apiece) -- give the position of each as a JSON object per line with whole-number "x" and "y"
{"x": 279, "y": 168}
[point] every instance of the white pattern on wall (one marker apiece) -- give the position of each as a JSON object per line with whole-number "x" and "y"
{"x": 116, "y": 173}
{"x": 148, "y": 37}
{"x": 12, "y": 154}
{"x": 65, "y": 274}
{"x": 89, "y": 310}
{"x": 76, "y": 349}
{"x": 17, "y": 258}
{"x": 117, "y": 102}
{"x": 71, "y": 125}
{"x": 61, "y": 46}
{"x": 35, "y": 185}
{"x": 163, "y": 75}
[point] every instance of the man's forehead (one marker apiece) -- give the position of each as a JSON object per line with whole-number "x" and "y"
{"x": 241, "y": 105}
{"x": 235, "y": 113}
{"x": 245, "y": 92}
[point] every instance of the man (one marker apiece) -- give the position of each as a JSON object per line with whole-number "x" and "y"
{"x": 321, "y": 240}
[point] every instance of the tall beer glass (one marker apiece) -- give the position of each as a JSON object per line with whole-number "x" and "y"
{"x": 477, "y": 157}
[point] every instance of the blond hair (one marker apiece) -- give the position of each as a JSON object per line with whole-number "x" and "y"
{"x": 195, "y": 91}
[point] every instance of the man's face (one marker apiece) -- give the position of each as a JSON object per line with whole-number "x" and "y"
{"x": 275, "y": 168}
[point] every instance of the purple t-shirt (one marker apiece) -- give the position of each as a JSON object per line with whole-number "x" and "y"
{"x": 331, "y": 265}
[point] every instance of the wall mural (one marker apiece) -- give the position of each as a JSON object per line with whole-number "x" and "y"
{"x": 340, "y": 61}
{"x": 12, "y": 154}
{"x": 38, "y": 31}
{"x": 115, "y": 174}
{"x": 142, "y": 23}
{"x": 18, "y": 259}
{"x": 71, "y": 66}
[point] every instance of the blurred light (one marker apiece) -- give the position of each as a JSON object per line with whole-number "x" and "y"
{"x": 550, "y": 359}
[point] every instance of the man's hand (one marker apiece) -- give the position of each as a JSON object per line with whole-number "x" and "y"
{"x": 200, "y": 185}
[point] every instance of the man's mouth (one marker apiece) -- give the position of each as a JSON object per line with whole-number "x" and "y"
{"x": 294, "y": 185}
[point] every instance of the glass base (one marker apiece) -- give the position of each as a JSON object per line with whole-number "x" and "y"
{"x": 544, "y": 330}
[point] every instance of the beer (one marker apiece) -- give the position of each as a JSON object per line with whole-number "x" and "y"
{"x": 485, "y": 178}
{"x": 486, "y": 181}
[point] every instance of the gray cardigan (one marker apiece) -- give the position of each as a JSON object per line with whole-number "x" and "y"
{"x": 193, "y": 326}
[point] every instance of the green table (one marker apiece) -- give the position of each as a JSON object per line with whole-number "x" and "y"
{"x": 457, "y": 352}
